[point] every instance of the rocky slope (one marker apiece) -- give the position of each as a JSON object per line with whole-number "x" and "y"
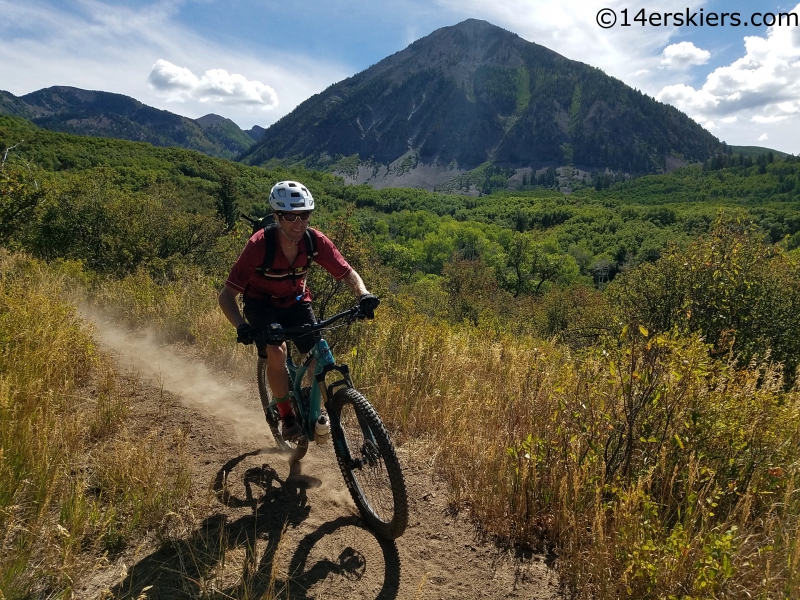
{"x": 475, "y": 93}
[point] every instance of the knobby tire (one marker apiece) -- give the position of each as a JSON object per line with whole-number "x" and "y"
{"x": 376, "y": 485}
{"x": 296, "y": 449}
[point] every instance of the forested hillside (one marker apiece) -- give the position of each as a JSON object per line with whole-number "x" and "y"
{"x": 611, "y": 374}
{"x": 587, "y": 236}
{"x": 103, "y": 114}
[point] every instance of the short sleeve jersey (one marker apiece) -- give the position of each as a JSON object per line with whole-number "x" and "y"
{"x": 284, "y": 292}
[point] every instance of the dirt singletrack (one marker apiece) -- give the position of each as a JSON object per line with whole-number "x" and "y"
{"x": 263, "y": 525}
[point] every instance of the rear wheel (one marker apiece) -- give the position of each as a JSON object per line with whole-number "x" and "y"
{"x": 369, "y": 463}
{"x": 296, "y": 448}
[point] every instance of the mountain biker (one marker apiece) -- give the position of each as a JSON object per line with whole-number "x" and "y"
{"x": 278, "y": 293}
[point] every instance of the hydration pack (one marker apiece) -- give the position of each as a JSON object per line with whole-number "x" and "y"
{"x": 270, "y": 227}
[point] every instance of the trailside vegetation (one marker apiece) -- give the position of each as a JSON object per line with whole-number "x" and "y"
{"x": 75, "y": 484}
{"x": 610, "y": 375}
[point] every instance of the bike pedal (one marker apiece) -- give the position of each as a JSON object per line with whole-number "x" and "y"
{"x": 291, "y": 429}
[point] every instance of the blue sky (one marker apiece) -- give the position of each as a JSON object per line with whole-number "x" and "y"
{"x": 254, "y": 61}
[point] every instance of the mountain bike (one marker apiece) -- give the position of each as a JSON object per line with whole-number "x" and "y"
{"x": 361, "y": 443}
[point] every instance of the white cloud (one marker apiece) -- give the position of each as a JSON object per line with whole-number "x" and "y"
{"x": 226, "y": 88}
{"x": 763, "y": 119}
{"x": 761, "y": 87}
{"x": 683, "y": 55}
{"x": 215, "y": 86}
{"x": 766, "y": 79}
{"x": 172, "y": 79}
{"x": 763, "y": 137}
{"x": 710, "y": 125}
{"x": 692, "y": 101}
{"x": 93, "y": 45}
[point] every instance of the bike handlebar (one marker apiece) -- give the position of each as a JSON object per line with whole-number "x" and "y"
{"x": 276, "y": 333}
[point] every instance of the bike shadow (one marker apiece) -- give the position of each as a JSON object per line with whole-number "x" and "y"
{"x": 232, "y": 558}
{"x": 351, "y": 564}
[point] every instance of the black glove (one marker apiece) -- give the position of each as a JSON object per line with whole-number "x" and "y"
{"x": 245, "y": 334}
{"x": 367, "y": 305}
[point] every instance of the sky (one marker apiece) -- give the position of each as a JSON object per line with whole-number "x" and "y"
{"x": 253, "y": 61}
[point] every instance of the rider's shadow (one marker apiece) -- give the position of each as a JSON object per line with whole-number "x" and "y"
{"x": 350, "y": 564}
{"x": 199, "y": 565}
{"x": 293, "y": 488}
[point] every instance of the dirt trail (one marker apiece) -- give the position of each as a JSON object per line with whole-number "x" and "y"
{"x": 292, "y": 528}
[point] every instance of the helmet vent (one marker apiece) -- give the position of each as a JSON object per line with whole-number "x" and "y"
{"x": 282, "y": 193}
{"x": 292, "y": 185}
{"x": 295, "y": 194}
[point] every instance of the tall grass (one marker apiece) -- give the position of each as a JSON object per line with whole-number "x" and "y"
{"x": 651, "y": 466}
{"x": 183, "y": 308}
{"x": 64, "y": 495}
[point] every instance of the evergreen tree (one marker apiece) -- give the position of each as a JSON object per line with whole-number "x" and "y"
{"x": 226, "y": 200}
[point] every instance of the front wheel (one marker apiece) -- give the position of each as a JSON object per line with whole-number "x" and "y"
{"x": 369, "y": 464}
{"x": 295, "y": 448}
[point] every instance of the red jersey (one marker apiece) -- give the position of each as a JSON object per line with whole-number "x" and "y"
{"x": 283, "y": 292}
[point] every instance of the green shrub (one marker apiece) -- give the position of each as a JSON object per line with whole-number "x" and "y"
{"x": 738, "y": 292}
{"x": 86, "y": 217}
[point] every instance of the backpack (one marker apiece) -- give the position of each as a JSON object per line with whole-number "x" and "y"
{"x": 270, "y": 227}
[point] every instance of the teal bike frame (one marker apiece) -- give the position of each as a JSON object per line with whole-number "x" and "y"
{"x": 363, "y": 448}
{"x": 309, "y": 405}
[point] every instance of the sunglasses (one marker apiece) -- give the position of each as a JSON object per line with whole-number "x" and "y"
{"x": 292, "y": 217}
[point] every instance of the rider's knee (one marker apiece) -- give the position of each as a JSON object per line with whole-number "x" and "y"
{"x": 276, "y": 353}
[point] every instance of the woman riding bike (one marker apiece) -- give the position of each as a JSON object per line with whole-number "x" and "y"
{"x": 271, "y": 273}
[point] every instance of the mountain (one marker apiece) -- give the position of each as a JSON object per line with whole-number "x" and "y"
{"x": 225, "y": 132}
{"x": 255, "y": 132}
{"x": 755, "y": 151}
{"x": 103, "y": 114}
{"x": 11, "y": 105}
{"x": 473, "y": 94}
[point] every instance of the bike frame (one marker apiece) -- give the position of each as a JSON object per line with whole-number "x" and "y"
{"x": 367, "y": 460}
{"x": 310, "y": 406}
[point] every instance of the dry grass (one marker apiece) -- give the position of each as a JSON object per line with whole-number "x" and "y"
{"x": 184, "y": 309}
{"x": 650, "y": 467}
{"x": 72, "y": 485}
{"x": 76, "y": 486}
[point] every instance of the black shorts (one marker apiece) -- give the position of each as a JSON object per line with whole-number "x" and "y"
{"x": 261, "y": 314}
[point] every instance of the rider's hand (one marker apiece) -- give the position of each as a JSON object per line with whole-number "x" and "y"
{"x": 245, "y": 334}
{"x": 367, "y": 305}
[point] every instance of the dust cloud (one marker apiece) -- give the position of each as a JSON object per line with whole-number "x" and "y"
{"x": 189, "y": 378}
{"x": 232, "y": 404}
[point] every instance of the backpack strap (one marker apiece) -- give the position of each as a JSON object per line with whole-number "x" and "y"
{"x": 270, "y": 239}
{"x": 311, "y": 245}
{"x": 270, "y": 242}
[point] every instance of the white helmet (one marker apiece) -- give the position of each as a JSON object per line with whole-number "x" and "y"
{"x": 290, "y": 196}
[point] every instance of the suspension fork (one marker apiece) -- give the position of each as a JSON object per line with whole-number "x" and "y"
{"x": 336, "y": 426}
